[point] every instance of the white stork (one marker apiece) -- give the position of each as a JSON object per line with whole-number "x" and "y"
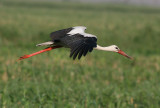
{"x": 77, "y": 40}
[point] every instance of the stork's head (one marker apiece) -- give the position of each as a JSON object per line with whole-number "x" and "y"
{"x": 115, "y": 48}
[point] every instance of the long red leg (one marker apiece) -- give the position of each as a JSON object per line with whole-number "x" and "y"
{"x": 41, "y": 51}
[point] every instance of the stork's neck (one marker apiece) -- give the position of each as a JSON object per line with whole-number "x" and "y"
{"x": 109, "y": 48}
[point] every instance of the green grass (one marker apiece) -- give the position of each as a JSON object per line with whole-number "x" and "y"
{"x": 99, "y": 80}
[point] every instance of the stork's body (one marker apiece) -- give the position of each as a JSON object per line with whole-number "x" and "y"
{"x": 77, "y": 40}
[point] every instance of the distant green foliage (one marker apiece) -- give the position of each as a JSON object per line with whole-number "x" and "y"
{"x": 99, "y": 80}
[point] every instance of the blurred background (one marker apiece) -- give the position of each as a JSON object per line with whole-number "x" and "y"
{"x": 99, "y": 80}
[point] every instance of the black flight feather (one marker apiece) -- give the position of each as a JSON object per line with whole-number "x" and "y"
{"x": 81, "y": 53}
{"x": 85, "y": 51}
{"x": 76, "y": 52}
{"x": 73, "y": 49}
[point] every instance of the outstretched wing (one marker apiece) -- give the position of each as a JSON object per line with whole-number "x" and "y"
{"x": 76, "y": 39}
{"x": 79, "y": 44}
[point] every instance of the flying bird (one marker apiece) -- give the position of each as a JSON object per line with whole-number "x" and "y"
{"x": 79, "y": 42}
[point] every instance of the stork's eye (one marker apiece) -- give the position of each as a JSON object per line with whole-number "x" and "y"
{"x": 116, "y": 47}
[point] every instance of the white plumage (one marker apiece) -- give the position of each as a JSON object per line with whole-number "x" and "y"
{"x": 80, "y": 30}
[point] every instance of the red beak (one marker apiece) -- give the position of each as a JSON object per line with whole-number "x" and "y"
{"x": 124, "y": 54}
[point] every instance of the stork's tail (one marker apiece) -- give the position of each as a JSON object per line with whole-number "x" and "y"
{"x": 41, "y": 51}
{"x": 45, "y": 43}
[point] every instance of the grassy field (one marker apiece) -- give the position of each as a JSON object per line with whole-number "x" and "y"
{"x": 99, "y": 80}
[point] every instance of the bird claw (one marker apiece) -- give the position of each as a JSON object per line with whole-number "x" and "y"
{"x": 23, "y": 57}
